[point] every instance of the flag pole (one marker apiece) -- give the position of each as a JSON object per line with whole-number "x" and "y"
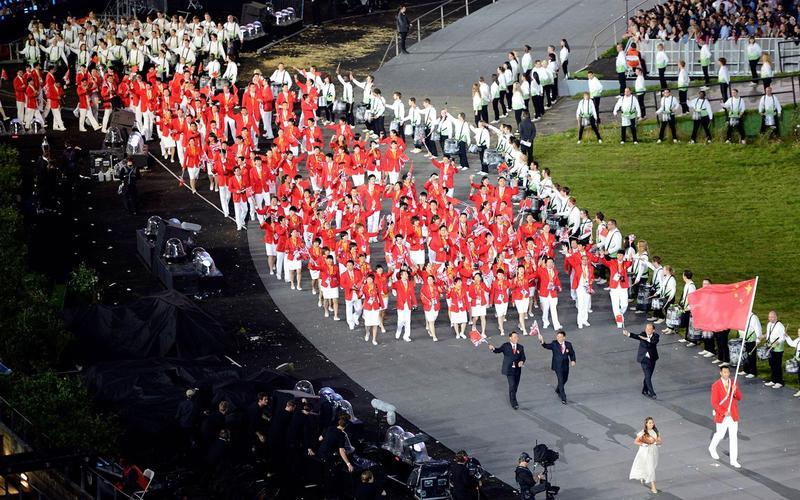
{"x": 741, "y": 353}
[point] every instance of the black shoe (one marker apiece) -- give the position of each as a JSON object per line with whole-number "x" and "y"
{"x": 556, "y": 391}
{"x": 515, "y": 406}
{"x": 563, "y": 401}
{"x": 652, "y": 395}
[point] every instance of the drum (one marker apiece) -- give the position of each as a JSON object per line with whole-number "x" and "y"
{"x": 205, "y": 80}
{"x": 734, "y": 121}
{"x": 657, "y": 303}
{"x": 492, "y": 159}
{"x": 408, "y": 130}
{"x": 736, "y": 348}
{"x": 763, "y": 352}
{"x": 435, "y": 135}
{"x": 450, "y": 147}
{"x": 339, "y": 106}
{"x": 643, "y": 297}
{"x": 360, "y": 113}
{"x": 552, "y": 221}
{"x": 276, "y": 89}
{"x": 473, "y": 148}
{"x": 394, "y": 126}
{"x": 791, "y": 365}
{"x": 419, "y": 135}
{"x": 693, "y": 334}
{"x": 222, "y": 82}
{"x": 674, "y": 314}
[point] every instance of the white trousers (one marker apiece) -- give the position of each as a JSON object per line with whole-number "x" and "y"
{"x": 732, "y": 428}
{"x": 582, "y": 302}
{"x": 403, "y": 323}
{"x": 58, "y": 122}
{"x": 266, "y": 118}
{"x": 549, "y": 306}
{"x": 21, "y": 111}
{"x": 225, "y": 199}
{"x": 257, "y": 201}
{"x": 240, "y": 212}
{"x": 86, "y": 115}
{"x": 230, "y": 123}
{"x": 352, "y": 311}
{"x": 619, "y": 302}
{"x": 279, "y": 264}
{"x": 373, "y": 221}
{"x": 31, "y": 115}
{"x": 358, "y": 180}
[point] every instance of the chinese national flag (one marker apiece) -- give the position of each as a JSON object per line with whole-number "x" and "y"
{"x": 722, "y": 307}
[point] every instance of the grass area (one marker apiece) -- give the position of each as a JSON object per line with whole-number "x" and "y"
{"x": 727, "y": 212}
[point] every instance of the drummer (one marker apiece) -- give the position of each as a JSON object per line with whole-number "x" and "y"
{"x": 776, "y": 340}
{"x": 688, "y": 288}
{"x": 664, "y": 296}
{"x": 796, "y": 344}
{"x": 751, "y": 335}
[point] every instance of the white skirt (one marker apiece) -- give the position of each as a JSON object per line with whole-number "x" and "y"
{"x": 430, "y": 316}
{"x": 270, "y": 249}
{"x": 194, "y": 172}
{"x": 501, "y": 309}
{"x": 294, "y": 265}
{"x": 358, "y": 180}
{"x": 330, "y": 293}
{"x": 478, "y": 310}
{"x": 458, "y": 318}
{"x": 522, "y": 305}
{"x": 314, "y": 274}
{"x": 372, "y": 317}
{"x": 167, "y": 141}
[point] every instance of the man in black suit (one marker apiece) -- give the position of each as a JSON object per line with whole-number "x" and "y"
{"x": 563, "y": 358}
{"x": 513, "y": 361}
{"x": 647, "y": 356}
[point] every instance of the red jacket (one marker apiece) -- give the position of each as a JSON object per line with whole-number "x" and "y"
{"x": 548, "y": 287}
{"x": 237, "y": 188}
{"x": 406, "y": 298}
{"x": 430, "y": 296}
{"x": 720, "y": 400}
{"x": 618, "y": 273}
{"x": 350, "y": 282}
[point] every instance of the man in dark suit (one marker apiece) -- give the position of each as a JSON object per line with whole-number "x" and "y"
{"x": 563, "y": 358}
{"x": 647, "y": 356}
{"x": 513, "y": 360}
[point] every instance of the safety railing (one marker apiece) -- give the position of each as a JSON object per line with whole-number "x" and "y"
{"x": 612, "y": 32}
{"x": 11, "y": 52}
{"x": 433, "y": 20}
{"x": 785, "y": 55}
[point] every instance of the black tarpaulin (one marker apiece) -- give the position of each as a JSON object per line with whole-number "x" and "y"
{"x": 164, "y": 325}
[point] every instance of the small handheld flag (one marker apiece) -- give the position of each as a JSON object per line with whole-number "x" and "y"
{"x": 476, "y": 338}
{"x": 534, "y": 329}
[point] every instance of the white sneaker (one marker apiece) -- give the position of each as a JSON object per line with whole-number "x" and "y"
{"x": 407, "y": 339}
{"x": 750, "y": 375}
{"x": 636, "y": 142}
{"x": 703, "y": 352}
{"x": 769, "y": 384}
{"x": 374, "y": 342}
{"x": 397, "y": 336}
{"x": 713, "y": 453}
{"x": 777, "y": 386}
{"x": 586, "y": 324}
{"x": 352, "y": 327}
{"x": 658, "y": 141}
{"x": 366, "y": 338}
{"x": 708, "y": 355}
{"x": 796, "y": 394}
{"x": 622, "y": 142}
{"x": 735, "y": 465}
{"x": 599, "y": 141}
{"x": 681, "y": 340}
{"x": 715, "y": 361}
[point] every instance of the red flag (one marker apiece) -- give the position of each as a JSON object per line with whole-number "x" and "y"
{"x": 619, "y": 319}
{"x": 4, "y": 75}
{"x": 724, "y": 306}
{"x": 476, "y": 338}
{"x": 534, "y": 329}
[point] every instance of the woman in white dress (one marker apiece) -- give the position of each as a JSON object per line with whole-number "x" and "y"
{"x": 644, "y": 465}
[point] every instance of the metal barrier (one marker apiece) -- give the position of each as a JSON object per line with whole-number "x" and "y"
{"x": 434, "y": 20}
{"x": 10, "y": 53}
{"x": 785, "y": 55}
{"x": 612, "y": 32}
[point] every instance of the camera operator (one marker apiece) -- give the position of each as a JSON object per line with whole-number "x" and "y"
{"x": 529, "y": 485}
{"x": 463, "y": 484}
{"x": 128, "y": 173}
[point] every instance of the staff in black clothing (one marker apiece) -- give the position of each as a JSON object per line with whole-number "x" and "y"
{"x": 513, "y": 361}
{"x": 300, "y": 441}
{"x": 333, "y": 453}
{"x": 402, "y": 28}
{"x": 563, "y": 358}
{"x": 529, "y": 485}
{"x": 646, "y": 356}
{"x": 527, "y": 134}
{"x": 278, "y": 427}
{"x": 257, "y": 415}
{"x": 463, "y": 485}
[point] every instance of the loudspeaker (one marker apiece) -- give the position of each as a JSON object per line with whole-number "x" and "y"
{"x": 253, "y": 11}
{"x": 123, "y": 119}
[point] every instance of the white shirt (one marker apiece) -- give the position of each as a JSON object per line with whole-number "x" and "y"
{"x": 347, "y": 90}
{"x": 613, "y": 241}
{"x": 595, "y": 87}
{"x": 754, "y": 328}
{"x": 768, "y": 105}
{"x": 629, "y": 106}
{"x": 776, "y": 335}
{"x": 688, "y": 289}
{"x": 735, "y": 106}
{"x": 586, "y": 109}
{"x": 281, "y": 76}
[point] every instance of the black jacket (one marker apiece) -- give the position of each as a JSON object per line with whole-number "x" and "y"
{"x": 527, "y": 484}
{"x": 646, "y": 347}
{"x": 402, "y": 23}
{"x": 463, "y": 483}
{"x": 560, "y": 361}
{"x": 510, "y": 360}
{"x": 527, "y": 130}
